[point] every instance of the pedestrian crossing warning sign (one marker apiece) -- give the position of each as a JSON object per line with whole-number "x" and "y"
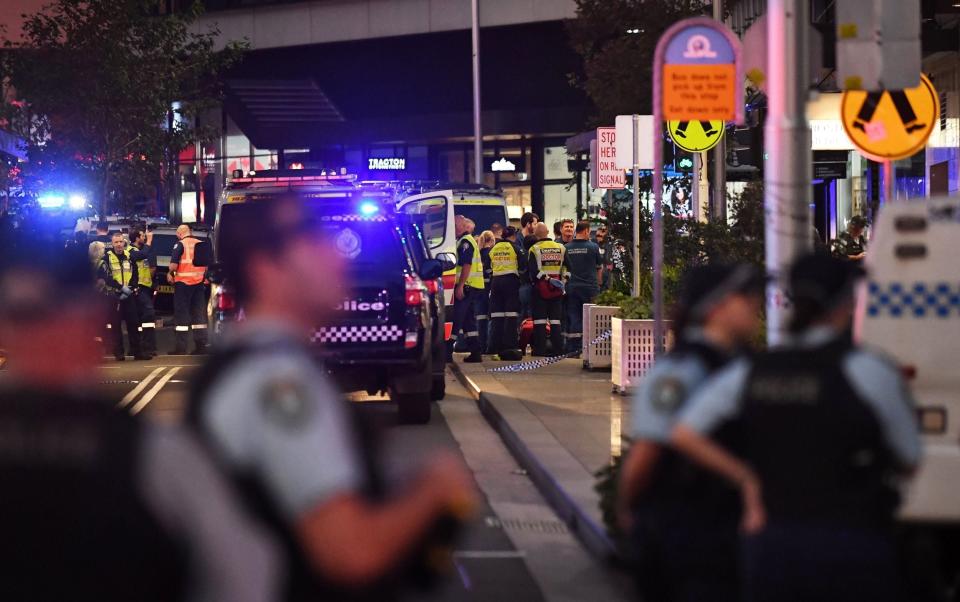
{"x": 695, "y": 136}
{"x": 888, "y": 125}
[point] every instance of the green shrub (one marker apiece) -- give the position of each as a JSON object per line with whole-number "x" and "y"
{"x": 609, "y": 298}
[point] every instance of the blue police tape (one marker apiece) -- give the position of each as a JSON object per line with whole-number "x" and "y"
{"x": 526, "y": 366}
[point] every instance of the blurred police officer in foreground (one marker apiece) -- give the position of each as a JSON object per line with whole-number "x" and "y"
{"x": 96, "y": 504}
{"x": 141, "y": 241}
{"x": 585, "y": 270}
{"x": 119, "y": 273}
{"x": 682, "y": 519}
{"x": 545, "y": 269}
{"x": 287, "y": 436}
{"x": 823, "y": 427}
{"x": 189, "y": 293}
{"x": 469, "y": 284}
{"x": 507, "y": 262}
{"x": 851, "y": 244}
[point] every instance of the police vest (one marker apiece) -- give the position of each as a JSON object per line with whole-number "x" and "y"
{"x": 120, "y": 267}
{"x": 475, "y": 279}
{"x": 72, "y": 493}
{"x": 304, "y": 582}
{"x": 503, "y": 259}
{"x": 817, "y": 447}
{"x": 548, "y": 256}
{"x": 144, "y": 277}
{"x": 186, "y": 272}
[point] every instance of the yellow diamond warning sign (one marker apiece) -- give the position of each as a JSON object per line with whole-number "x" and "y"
{"x": 891, "y": 124}
{"x": 695, "y": 136}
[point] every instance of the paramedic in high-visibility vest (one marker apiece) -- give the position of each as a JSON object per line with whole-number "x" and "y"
{"x": 545, "y": 268}
{"x": 507, "y": 262}
{"x": 469, "y": 284}
{"x": 189, "y": 298}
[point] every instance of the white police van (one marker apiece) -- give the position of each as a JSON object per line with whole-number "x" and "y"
{"x": 909, "y": 306}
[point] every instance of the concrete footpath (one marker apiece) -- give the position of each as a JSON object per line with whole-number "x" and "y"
{"x": 563, "y": 424}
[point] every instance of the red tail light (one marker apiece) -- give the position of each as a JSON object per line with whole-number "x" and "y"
{"x": 449, "y": 281}
{"x": 226, "y": 301}
{"x": 433, "y": 287}
{"x": 414, "y": 290}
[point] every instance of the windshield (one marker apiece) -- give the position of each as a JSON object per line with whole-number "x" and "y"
{"x": 163, "y": 244}
{"x": 483, "y": 216}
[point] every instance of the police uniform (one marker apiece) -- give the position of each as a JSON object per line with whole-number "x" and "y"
{"x": 686, "y": 521}
{"x": 825, "y": 425}
{"x": 148, "y": 316}
{"x": 464, "y": 316}
{"x": 119, "y": 271}
{"x": 507, "y": 262}
{"x": 846, "y": 246}
{"x": 545, "y": 262}
{"x": 281, "y": 431}
{"x": 582, "y": 260}
{"x": 482, "y": 307}
{"x": 100, "y": 506}
{"x": 189, "y": 296}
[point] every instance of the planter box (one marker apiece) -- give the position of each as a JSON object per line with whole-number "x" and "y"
{"x": 632, "y": 351}
{"x": 596, "y": 321}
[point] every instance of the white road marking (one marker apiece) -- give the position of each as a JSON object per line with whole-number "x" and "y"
{"x": 138, "y": 389}
{"x": 148, "y": 397}
{"x": 489, "y": 554}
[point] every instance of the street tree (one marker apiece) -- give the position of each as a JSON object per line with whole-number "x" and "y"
{"x": 106, "y": 92}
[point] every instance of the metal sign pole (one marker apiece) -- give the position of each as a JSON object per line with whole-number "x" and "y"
{"x": 477, "y": 133}
{"x": 657, "y": 225}
{"x": 888, "y": 184}
{"x": 636, "y": 205}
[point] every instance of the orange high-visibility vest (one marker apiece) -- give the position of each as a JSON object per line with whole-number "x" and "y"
{"x": 186, "y": 272}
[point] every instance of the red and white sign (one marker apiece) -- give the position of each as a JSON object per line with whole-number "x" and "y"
{"x": 606, "y": 174}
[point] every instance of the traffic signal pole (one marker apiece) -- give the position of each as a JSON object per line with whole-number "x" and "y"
{"x": 719, "y": 183}
{"x": 787, "y": 141}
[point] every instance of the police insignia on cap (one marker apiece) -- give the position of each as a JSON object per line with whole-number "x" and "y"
{"x": 667, "y": 394}
{"x": 286, "y": 402}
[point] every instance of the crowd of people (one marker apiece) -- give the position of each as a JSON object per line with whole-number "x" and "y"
{"x": 518, "y": 285}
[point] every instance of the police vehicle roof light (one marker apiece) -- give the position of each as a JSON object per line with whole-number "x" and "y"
{"x": 77, "y": 201}
{"x": 368, "y": 208}
{"x": 51, "y": 201}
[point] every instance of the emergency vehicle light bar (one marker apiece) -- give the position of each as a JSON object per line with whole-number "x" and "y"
{"x": 297, "y": 179}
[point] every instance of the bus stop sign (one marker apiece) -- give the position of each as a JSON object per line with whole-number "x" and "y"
{"x": 700, "y": 73}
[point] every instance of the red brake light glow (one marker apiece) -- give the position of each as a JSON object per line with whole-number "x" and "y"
{"x": 225, "y": 301}
{"x": 414, "y": 288}
{"x": 433, "y": 287}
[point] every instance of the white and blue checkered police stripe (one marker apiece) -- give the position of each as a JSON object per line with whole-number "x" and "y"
{"x": 917, "y": 300}
{"x": 358, "y": 334}
{"x": 526, "y": 366}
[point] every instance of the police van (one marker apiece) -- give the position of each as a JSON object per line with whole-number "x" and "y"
{"x": 381, "y": 336}
{"x": 909, "y": 307}
{"x": 437, "y": 204}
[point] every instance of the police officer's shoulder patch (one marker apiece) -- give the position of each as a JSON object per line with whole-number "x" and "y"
{"x": 465, "y": 246}
{"x": 667, "y": 394}
{"x": 286, "y": 402}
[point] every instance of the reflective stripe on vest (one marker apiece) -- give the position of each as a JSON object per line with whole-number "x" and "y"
{"x": 475, "y": 279}
{"x": 549, "y": 258}
{"x": 503, "y": 259}
{"x": 120, "y": 268}
{"x": 144, "y": 278}
{"x": 188, "y": 273}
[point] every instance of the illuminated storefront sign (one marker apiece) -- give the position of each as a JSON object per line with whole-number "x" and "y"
{"x": 386, "y": 164}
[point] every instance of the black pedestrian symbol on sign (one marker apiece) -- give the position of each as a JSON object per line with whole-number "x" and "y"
{"x": 904, "y": 110}
{"x": 704, "y": 125}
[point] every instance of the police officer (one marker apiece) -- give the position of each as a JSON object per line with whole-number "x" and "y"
{"x": 264, "y": 404}
{"x": 584, "y": 266}
{"x": 526, "y": 237}
{"x": 485, "y": 242}
{"x": 189, "y": 293}
{"x": 824, "y": 427}
{"x": 121, "y": 279}
{"x": 545, "y": 270}
{"x": 507, "y": 262}
{"x": 682, "y": 519}
{"x": 148, "y": 318}
{"x": 469, "y": 284}
{"x": 97, "y": 504}
{"x": 851, "y": 244}
{"x": 606, "y": 255}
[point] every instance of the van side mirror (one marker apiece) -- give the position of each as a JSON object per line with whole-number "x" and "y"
{"x": 448, "y": 260}
{"x": 431, "y": 269}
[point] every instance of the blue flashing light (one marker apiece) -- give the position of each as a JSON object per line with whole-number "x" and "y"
{"x": 77, "y": 201}
{"x": 52, "y": 201}
{"x": 368, "y": 208}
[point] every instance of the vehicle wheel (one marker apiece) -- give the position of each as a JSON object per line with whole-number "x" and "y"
{"x": 412, "y": 408}
{"x": 439, "y": 389}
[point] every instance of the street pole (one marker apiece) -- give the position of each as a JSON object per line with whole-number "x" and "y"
{"x": 787, "y": 140}
{"x": 636, "y": 206}
{"x": 477, "y": 134}
{"x": 719, "y": 155}
{"x": 888, "y": 184}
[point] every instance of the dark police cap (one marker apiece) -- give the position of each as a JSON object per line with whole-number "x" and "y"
{"x": 509, "y": 231}
{"x": 823, "y": 278}
{"x": 858, "y": 221}
{"x": 704, "y": 286}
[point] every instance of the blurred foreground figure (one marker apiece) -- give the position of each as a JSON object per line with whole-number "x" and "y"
{"x": 97, "y": 505}
{"x": 683, "y": 519}
{"x": 289, "y": 438}
{"x": 822, "y": 427}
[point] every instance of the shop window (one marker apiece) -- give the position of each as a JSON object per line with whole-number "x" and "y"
{"x": 559, "y": 202}
{"x": 555, "y": 164}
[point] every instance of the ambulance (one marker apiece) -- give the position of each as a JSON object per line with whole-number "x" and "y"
{"x": 909, "y": 307}
{"x": 436, "y": 205}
